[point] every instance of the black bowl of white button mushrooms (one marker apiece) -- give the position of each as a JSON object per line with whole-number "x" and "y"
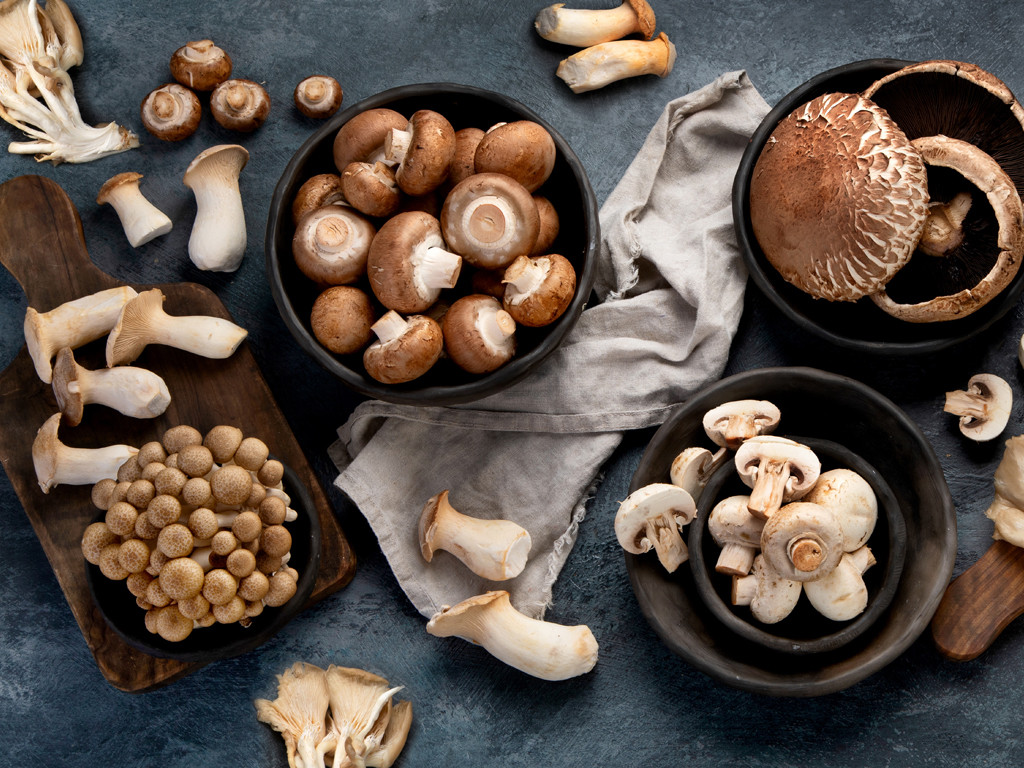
{"x": 432, "y": 244}
{"x": 805, "y": 599}
{"x": 915, "y": 257}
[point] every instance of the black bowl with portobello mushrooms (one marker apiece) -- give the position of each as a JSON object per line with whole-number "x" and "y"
{"x": 946, "y": 98}
{"x": 444, "y": 383}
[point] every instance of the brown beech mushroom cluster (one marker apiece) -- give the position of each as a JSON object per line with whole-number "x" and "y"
{"x": 190, "y": 525}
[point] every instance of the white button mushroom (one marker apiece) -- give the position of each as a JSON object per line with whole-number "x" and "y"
{"x": 539, "y": 648}
{"x": 141, "y": 220}
{"x": 479, "y": 336}
{"x": 404, "y": 350}
{"x": 584, "y": 28}
{"x": 691, "y": 469}
{"x": 132, "y": 391}
{"x": 802, "y": 542}
{"x": 737, "y": 532}
{"x": 770, "y": 596}
{"x": 57, "y": 464}
{"x": 777, "y": 470}
{"x": 842, "y": 594}
{"x": 218, "y": 235}
{"x": 851, "y": 499}
{"x": 652, "y": 517}
{"x": 984, "y": 409}
{"x": 493, "y": 549}
{"x": 538, "y": 289}
{"x": 603, "y": 64}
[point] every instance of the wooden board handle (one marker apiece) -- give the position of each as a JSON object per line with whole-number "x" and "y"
{"x": 980, "y": 603}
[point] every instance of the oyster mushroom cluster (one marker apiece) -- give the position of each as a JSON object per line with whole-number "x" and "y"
{"x": 195, "y": 527}
{"x": 908, "y": 193}
{"x": 388, "y": 236}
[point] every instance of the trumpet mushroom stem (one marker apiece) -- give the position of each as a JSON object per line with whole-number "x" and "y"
{"x": 603, "y": 64}
{"x": 584, "y": 28}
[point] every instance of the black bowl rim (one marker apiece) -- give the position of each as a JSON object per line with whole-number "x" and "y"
{"x": 519, "y": 366}
{"x": 925, "y": 608}
{"x": 249, "y": 640}
{"x": 741, "y": 220}
{"x": 850, "y": 630}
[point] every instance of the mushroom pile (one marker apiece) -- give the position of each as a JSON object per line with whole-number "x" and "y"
{"x": 195, "y": 527}
{"x": 388, "y": 235}
{"x": 926, "y": 163}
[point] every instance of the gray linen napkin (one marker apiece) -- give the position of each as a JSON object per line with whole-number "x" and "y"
{"x": 670, "y": 279}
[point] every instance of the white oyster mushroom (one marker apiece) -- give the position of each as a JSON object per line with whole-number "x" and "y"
{"x": 770, "y": 596}
{"x": 57, "y": 464}
{"x": 851, "y": 499}
{"x": 218, "y": 236}
{"x": 777, "y": 470}
{"x": 652, "y": 517}
{"x": 737, "y": 532}
{"x": 842, "y": 594}
{"x": 984, "y": 408}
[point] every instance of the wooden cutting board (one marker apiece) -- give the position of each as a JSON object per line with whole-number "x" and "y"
{"x": 42, "y": 244}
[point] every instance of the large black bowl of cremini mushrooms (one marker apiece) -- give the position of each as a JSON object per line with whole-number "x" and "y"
{"x": 879, "y": 204}
{"x": 432, "y": 244}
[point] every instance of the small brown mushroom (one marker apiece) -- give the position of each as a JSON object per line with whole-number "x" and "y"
{"x": 222, "y": 441}
{"x": 96, "y": 537}
{"x": 176, "y": 438}
{"x": 240, "y": 105}
{"x": 341, "y": 319}
{"x": 182, "y": 579}
{"x": 404, "y": 350}
{"x": 549, "y": 225}
{"x": 322, "y": 190}
{"x": 479, "y": 336}
{"x": 522, "y": 150}
{"x": 318, "y": 96}
{"x": 489, "y": 220}
{"x": 200, "y": 65}
{"x": 231, "y": 484}
{"x": 538, "y": 289}
{"x": 251, "y": 454}
{"x": 464, "y": 160}
{"x": 331, "y": 243}
{"x": 282, "y": 589}
{"x": 361, "y": 139}
{"x": 171, "y": 112}
{"x": 164, "y": 510}
{"x": 371, "y": 188}
{"x": 423, "y": 151}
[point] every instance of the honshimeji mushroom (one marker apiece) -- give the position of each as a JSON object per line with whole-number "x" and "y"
{"x": 652, "y": 517}
{"x": 404, "y": 350}
{"x": 200, "y": 65}
{"x": 299, "y": 712}
{"x": 330, "y": 244}
{"x": 37, "y": 47}
{"x": 851, "y": 499}
{"x": 218, "y": 235}
{"x": 606, "y": 63}
{"x": 141, "y": 220}
{"x": 538, "y": 289}
{"x": 539, "y": 648}
{"x": 984, "y": 408}
{"x": 134, "y": 392}
{"x": 737, "y": 532}
{"x": 522, "y": 150}
{"x": 423, "y": 150}
{"x": 479, "y": 336}
{"x": 321, "y": 190}
{"x": 842, "y": 594}
{"x": 240, "y": 105}
{"x": 57, "y": 464}
{"x": 493, "y": 549}
{"x": 776, "y": 470}
{"x": 490, "y": 219}
{"x": 770, "y": 596}
{"x": 72, "y": 324}
{"x": 144, "y": 322}
{"x": 361, "y": 719}
{"x": 171, "y": 112}
{"x": 583, "y": 28}
{"x": 318, "y": 96}
{"x": 802, "y": 542}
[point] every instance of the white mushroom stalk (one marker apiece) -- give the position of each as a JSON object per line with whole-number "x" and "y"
{"x": 583, "y": 28}
{"x": 57, "y": 464}
{"x": 493, "y": 549}
{"x": 434, "y": 268}
{"x": 603, "y": 64}
{"x": 390, "y": 327}
{"x": 984, "y": 408}
{"x": 524, "y": 277}
{"x": 37, "y": 47}
{"x": 539, "y": 648}
{"x": 777, "y": 470}
{"x": 652, "y": 517}
{"x": 218, "y": 235}
{"x": 496, "y": 327}
{"x": 737, "y": 532}
{"x": 135, "y": 392}
{"x": 142, "y": 221}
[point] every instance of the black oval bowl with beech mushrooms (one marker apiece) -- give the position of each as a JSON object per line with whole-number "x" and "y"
{"x": 252, "y": 595}
{"x": 916, "y": 259}
{"x": 521, "y": 241}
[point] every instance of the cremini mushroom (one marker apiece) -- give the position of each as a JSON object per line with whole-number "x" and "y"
{"x": 549, "y": 225}
{"x": 408, "y": 264}
{"x": 842, "y": 594}
{"x": 404, "y": 350}
{"x": 652, "y": 517}
{"x": 584, "y": 28}
{"x": 57, "y": 464}
{"x": 606, "y": 63}
{"x": 737, "y": 532}
{"x": 802, "y": 542}
{"x": 371, "y": 188}
{"x": 538, "y": 648}
{"x": 240, "y": 105}
{"x": 200, "y": 65}
{"x": 538, "y": 289}
{"x": 218, "y": 235}
{"x": 479, "y": 336}
{"x": 423, "y": 150}
{"x": 362, "y": 138}
{"x": 770, "y": 596}
{"x": 141, "y": 220}
{"x": 777, "y": 470}
{"x": 494, "y": 549}
{"x": 132, "y": 391}
{"x": 72, "y": 324}
{"x": 331, "y": 244}
{"x": 464, "y": 160}
{"x": 143, "y": 322}
{"x": 984, "y": 408}
{"x": 319, "y": 191}
{"x": 299, "y": 712}
{"x": 488, "y": 282}
{"x": 522, "y": 150}
{"x": 318, "y": 96}
{"x": 490, "y": 219}
{"x": 341, "y": 319}
{"x": 171, "y": 112}
{"x": 851, "y": 499}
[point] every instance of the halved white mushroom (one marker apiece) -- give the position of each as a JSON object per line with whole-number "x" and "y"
{"x": 802, "y": 542}
{"x": 851, "y": 499}
{"x": 494, "y": 549}
{"x": 770, "y": 596}
{"x": 737, "y": 532}
{"x": 132, "y": 391}
{"x": 690, "y": 470}
{"x": 652, "y": 517}
{"x": 57, "y": 464}
{"x": 983, "y": 409}
{"x": 777, "y": 470}
{"x": 842, "y": 594}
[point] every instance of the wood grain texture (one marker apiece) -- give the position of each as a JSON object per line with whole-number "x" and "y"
{"x": 42, "y": 244}
{"x": 980, "y": 603}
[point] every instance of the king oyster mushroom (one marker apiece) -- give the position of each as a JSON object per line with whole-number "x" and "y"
{"x": 737, "y": 532}
{"x": 240, "y": 105}
{"x": 606, "y": 63}
{"x": 141, "y": 220}
{"x": 57, "y": 464}
{"x": 200, "y": 65}
{"x": 362, "y": 138}
{"x": 479, "y": 336}
{"x": 218, "y": 235}
{"x": 802, "y": 542}
{"x": 132, "y": 391}
{"x": 777, "y": 470}
{"x": 318, "y": 96}
{"x": 538, "y": 289}
{"x": 652, "y": 517}
{"x": 404, "y": 350}
{"x": 423, "y": 150}
{"x": 770, "y": 596}
{"x": 984, "y": 409}
{"x": 522, "y": 150}
{"x": 171, "y": 112}
{"x": 331, "y": 244}
{"x": 584, "y": 28}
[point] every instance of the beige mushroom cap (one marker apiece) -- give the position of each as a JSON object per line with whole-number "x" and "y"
{"x": 275, "y": 540}
{"x": 322, "y": 190}
{"x": 230, "y": 612}
{"x": 282, "y": 589}
{"x": 318, "y": 96}
{"x": 163, "y": 510}
{"x": 838, "y": 198}
{"x": 361, "y": 139}
{"x": 175, "y": 540}
{"x": 732, "y": 423}
{"x": 222, "y": 441}
{"x": 407, "y": 354}
{"x": 330, "y": 244}
{"x": 548, "y": 284}
{"x": 231, "y": 484}
{"x": 341, "y": 319}
{"x": 489, "y": 220}
{"x": 181, "y": 578}
{"x": 171, "y": 112}
{"x": 219, "y": 586}
{"x": 254, "y": 586}
{"x": 802, "y": 542}
{"x": 429, "y": 154}
{"x": 240, "y": 105}
{"x": 522, "y": 150}
{"x": 200, "y": 65}
{"x": 96, "y": 537}
{"x": 195, "y": 460}
{"x": 252, "y": 454}
{"x": 172, "y": 626}
{"x": 479, "y": 336}
{"x": 176, "y": 438}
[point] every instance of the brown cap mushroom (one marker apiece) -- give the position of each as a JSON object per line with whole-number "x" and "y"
{"x": 195, "y": 460}
{"x": 522, "y": 150}
{"x": 404, "y": 350}
{"x": 423, "y": 150}
{"x": 171, "y": 112}
{"x": 489, "y": 220}
{"x": 96, "y": 537}
{"x": 240, "y": 105}
{"x": 549, "y": 225}
{"x": 178, "y": 437}
{"x": 488, "y": 282}
{"x": 408, "y": 264}
{"x": 164, "y": 509}
{"x": 321, "y": 190}
{"x": 361, "y": 139}
{"x": 479, "y": 336}
{"x": 984, "y": 409}
{"x": 282, "y": 589}
{"x": 838, "y": 198}
{"x": 777, "y": 470}
{"x": 371, "y": 188}
{"x": 341, "y": 319}
{"x": 182, "y": 579}
{"x": 318, "y": 96}
{"x": 251, "y": 454}
{"x": 231, "y": 484}
{"x": 464, "y": 160}
{"x": 331, "y": 243}
{"x": 538, "y": 289}
{"x": 132, "y": 391}
{"x": 200, "y": 65}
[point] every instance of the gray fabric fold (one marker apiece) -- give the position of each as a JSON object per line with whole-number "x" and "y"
{"x": 670, "y": 281}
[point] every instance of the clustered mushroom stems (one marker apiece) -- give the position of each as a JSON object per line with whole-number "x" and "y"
{"x": 606, "y": 63}
{"x": 142, "y": 221}
{"x": 582, "y": 28}
{"x": 37, "y": 47}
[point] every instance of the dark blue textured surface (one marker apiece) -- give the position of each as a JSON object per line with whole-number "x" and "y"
{"x": 641, "y": 705}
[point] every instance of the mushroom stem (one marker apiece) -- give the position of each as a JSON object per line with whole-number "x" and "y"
{"x": 603, "y": 64}
{"x": 806, "y": 552}
{"x": 584, "y": 28}
{"x": 57, "y": 464}
{"x": 663, "y": 534}
{"x": 736, "y": 559}
{"x": 397, "y": 144}
{"x": 135, "y": 392}
{"x": 943, "y": 229}
{"x": 141, "y": 220}
{"x": 218, "y": 238}
{"x": 524, "y": 276}
{"x": 495, "y": 327}
{"x": 435, "y": 268}
{"x": 769, "y": 488}
{"x": 390, "y": 327}
{"x": 970, "y": 405}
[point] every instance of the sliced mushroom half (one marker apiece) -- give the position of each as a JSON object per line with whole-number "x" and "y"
{"x": 984, "y": 408}
{"x": 653, "y": 517}
{"x": 802, "y": 542}
{"x": 731, "y": 424}
{"x": 777, "y": 470}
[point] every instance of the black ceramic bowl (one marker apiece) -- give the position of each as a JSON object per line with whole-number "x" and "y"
{"x": 823, "y": 405}
{"x": 220, "y": 641}
{"x": 445, "y": 384}
{"x": 805, "y": 630}
{"x": 856, "y": 325}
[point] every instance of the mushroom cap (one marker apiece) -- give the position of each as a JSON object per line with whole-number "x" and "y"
{"x": 479, "y": 336}
{"x": 318, "y": 96}
{"x": 110, "y": 563}
{"x": 802, "y": 542}
{"x": 224, "y": 161}
{"x": 144, "y": 529}
{"x": 140, "y": 493}
{"x": 464, "y": 159}
{"x": 129, "y": 471}
{"x": 731, "y": 523}
{"x": 195, "y": 607}
{"x": 230, "y": 612}
{"x": 273, "y": 511}
{"x": 219, "y": 586}
{"x": 163, "y": 510}
{"x": 549, "y": 225}
{"x": 644, "y": 17}
{"x": 222, "y": 442}
{"x": 282, "y": 589}
{"x": 171, "y": 112}
{"x": 195, "y": 460}
{"x": 489, "y": 220}
{"x": 101, "y": 493}
{"x": 990, "y": 400}
{"x": 200, "y": 65}
{"x": 275, "y": 540}
{"x": 428, "y": 523}
{"x": 852, "y": 500}
{"x": 776, "y": 597}
{"x": 203, "y": 523}
{"x": 805, "y": 466}
{"x": 395, "y": 258}
{"x": 489, "y": 282}
{"x": 178, "y": 437}
{"x": 171, "y": 625}
{"x": 317, "y": 192}
{"x": 240, "y": 105}
{"x": 251, "y": 454}
{"x": 175, "y": 540}
{"x": 408, "y": 356}
{"x": 120, "y": 518}
{"x": 231, "y": 484}
{"x": 545, "y": 302}
{"x": 732, "y": 423}
{"x": 65, "y": 371}
{"x": 223, "y": 543}
{"x": 254, "y": 586}
{"x": 985, "y": 174}
{"x": 196, "y": 492}
{"x": 654, "y": 501}
{"x": 129, "y": 177}
{"x": 171, "y": 481}
{"x": 241, "y": 563}
{"x": 425, "y": 165}
{"x": 270, "y": 474}
{"x": 152, "y": 470}
{"x": 96, "y": 537}
{"x": 522, "y": 150}
{"x": 371, "y": 188}
{"x": 247, "y": 526}
{"x": 361, "y": 139}
{"x": 841, "y": 595}
{"x": 690, "y": 470}
{"x": 838, "y": 198}
{"x": 182, "y": 578}
{"x": 341, "y": 319}
{"x": 151, "y": 453}
{"x": 330, "y": 244}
